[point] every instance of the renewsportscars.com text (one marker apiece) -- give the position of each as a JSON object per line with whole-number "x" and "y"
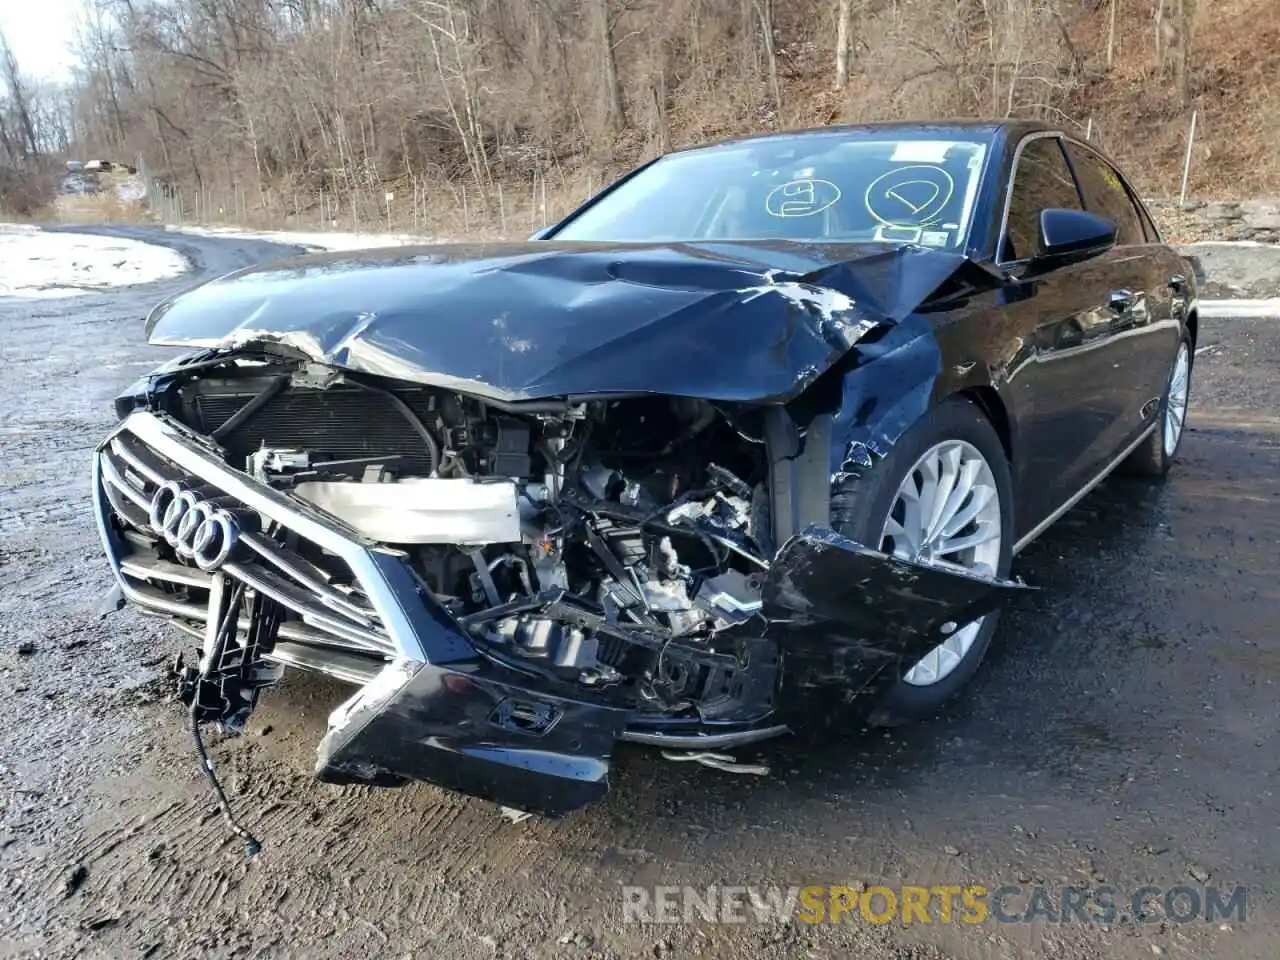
{"x": 945, "y": 903}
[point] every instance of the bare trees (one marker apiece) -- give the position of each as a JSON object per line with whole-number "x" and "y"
{"x": 34, "y": 126}
{"x": 459, "y": 67}
{"x": 614, "y": 116}
{"x": 344, "y": 94}
{"x": 331, "y": 100}
{"x": 35, "y": 116}
{"x": 19, "y": 130}
{"x": 764, "y": 10}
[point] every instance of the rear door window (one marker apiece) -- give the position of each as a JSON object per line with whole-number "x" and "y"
{"x": 1106, "y": 195}
{"x": 1041, "y": 181}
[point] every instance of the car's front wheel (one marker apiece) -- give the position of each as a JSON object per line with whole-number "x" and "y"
{"x": 942, "y": 496}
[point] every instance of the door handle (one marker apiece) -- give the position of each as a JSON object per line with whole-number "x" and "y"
{"x": 1121, "y": 301}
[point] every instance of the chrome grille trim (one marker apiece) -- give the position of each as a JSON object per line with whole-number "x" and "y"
{"x": 271, "y": 584}
{"x": 147, "y": 450}
{"x": 126, "y": 508}
{"x": 112, "y": 475}
{"x": 134, "y": 460}
{"x": 309, "y": 576}
{"x": 155, "y": 569}
{"x": 296, "y": 649}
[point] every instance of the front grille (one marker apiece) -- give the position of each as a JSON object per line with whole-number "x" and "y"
{"x": 328, "y": 609}
{"x": 339, "y": 423}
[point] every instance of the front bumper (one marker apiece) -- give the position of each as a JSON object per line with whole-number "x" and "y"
{"x": 431, "y": 705}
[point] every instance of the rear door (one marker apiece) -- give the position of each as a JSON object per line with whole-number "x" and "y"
{"x": 1146, "y": 293}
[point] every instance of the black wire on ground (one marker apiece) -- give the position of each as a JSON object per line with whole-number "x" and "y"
{"x": 251, "y": 844}
{"x": 225, "y": 630}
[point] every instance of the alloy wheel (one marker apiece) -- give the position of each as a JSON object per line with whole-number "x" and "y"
{"x": 1175, "y": 408}
{"x": 947, "y": 514}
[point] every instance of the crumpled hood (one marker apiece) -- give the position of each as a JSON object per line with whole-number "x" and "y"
{"x": 734, "y": 321}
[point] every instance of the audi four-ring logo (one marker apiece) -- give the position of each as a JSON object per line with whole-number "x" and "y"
{"x": 195, "y": 528}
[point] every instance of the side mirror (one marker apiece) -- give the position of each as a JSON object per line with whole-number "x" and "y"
{"x": 1074, "y": 234}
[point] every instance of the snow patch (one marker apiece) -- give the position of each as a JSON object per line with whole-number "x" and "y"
{"x": 319, "y": 240}
{"x": 1231, "y": 243}
{"x": 39, "y": 265}
{"x": 131, "y": 190}
{"x": 1242, "y": 309}
{"x": 823, "y": 299}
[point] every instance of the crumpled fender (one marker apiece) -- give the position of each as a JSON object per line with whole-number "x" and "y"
{"x": 841, "y": 614}
{"x": 892, "y": 388}
{"x": 845, "y": 616}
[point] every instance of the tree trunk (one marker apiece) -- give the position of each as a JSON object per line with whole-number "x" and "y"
{"x": 19, "y": 102}
{"x": 662, "y": 128}
{"x": 1180, "y": 61}
{"x": 614, "y": 116}
{"x": 1159, "y": 35}
{"x": 1111, "y": 35}
{"x": 842, "y": 43}
{"x": 1186, "y": 11}
{"x": 764, "y": 10}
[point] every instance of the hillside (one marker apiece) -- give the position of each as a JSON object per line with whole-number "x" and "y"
{"x": 474, "y": 115}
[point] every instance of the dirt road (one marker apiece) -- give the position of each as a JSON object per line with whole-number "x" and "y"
{"x": 1124, "y": 732}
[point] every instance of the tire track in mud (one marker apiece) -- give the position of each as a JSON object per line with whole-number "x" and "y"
{"x": 420, "y": 872}
{"x": 181, "y": 857}
{"x": 70, "y": 683}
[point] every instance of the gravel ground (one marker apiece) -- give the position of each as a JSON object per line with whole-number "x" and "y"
{"x": 1122, "y": 732}
{"x": 1239, "y": 270}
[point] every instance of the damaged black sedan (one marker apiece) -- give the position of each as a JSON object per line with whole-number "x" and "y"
{"x": 743, "y": 446}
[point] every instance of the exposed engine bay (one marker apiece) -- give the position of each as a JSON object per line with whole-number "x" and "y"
{"x": 512, "y": 587}
{"x": 608, "y": 543}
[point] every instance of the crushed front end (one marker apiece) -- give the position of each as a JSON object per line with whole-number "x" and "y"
{"x": 512, "y": 587}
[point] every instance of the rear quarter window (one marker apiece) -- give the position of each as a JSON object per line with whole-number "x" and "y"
{"x": 1148, "y": 225}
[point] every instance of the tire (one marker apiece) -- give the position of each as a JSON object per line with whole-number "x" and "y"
{"x": 861, "y": 505}
{"x": 1154, "y": 456}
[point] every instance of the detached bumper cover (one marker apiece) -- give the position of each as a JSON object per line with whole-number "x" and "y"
{"x": 431, "y": 705}
{"x": 474, "y": 732}
{"x": 848, "y": 620}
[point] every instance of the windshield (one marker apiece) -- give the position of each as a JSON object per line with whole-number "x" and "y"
{"x": 825, "y": 186}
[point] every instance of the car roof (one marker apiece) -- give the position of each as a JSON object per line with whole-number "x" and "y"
{"x": 989, "y": 130}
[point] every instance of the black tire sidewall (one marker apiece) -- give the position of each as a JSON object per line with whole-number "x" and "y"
{"x": 863, "y": 517}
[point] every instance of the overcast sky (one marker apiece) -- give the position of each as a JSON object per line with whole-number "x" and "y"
{"x": 40, "y": 32}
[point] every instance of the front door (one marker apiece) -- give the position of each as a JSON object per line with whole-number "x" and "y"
{"x": 1062, "y": 384}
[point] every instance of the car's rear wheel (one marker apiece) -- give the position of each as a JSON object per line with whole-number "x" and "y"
{"x": 1154, "y": 456}
{"x": 942, "y": 496}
